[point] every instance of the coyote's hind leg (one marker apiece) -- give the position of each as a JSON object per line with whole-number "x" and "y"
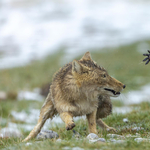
{"x": 47, "y": 111}
{"x": 104, "y": 126}
{"x": 104, "y": 109}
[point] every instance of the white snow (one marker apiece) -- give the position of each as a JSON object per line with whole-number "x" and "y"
{"x": 122, "y": 110}
{"x": 30, "y": 30}
{"x": 136, "y": 97}
{"x": 30, "y": 95}
{"x": 30, "y": 120}
{"x": 10, "y": 131}
{"x": 125, "y": 120}
{"x": 28, "y": 144}
{"x": 133, "y": 97}
{"x": 31, "y": 117}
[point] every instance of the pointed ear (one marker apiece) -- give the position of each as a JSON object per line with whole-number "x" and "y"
{"x": 76, "y": 67}
{"x": 87, "y": 56}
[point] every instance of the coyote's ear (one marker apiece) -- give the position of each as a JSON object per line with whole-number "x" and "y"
{"x": 87, "y": 56}
{"x": 78, "y": 68}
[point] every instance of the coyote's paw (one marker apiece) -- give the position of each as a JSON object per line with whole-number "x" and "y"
{"x": 111, "y": 129}
{"x": 70, "y": 126}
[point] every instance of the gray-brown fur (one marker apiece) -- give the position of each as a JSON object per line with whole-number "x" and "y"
{"x": 104, "y": 107}
{"x": 80, "y": 88}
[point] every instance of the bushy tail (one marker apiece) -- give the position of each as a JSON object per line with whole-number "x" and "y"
{"x": 47, "y": 111}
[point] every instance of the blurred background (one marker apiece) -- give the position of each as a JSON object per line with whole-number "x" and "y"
{"x": 37, "y": 37}
{"x": 32, "y": 29}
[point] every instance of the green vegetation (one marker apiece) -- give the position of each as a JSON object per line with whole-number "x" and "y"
{"x": 33, "y": 75}
{"x": 139, "y": 118}
{"x": 124, "y": 63}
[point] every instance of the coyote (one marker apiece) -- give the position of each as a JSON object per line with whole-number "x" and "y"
{"x": 79, "y": 88}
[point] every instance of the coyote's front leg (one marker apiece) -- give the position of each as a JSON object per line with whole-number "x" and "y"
{"x": 92, "y": 122}
{"x": 68, "y": 119}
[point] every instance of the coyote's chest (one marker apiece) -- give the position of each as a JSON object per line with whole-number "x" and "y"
{"x": 85, "y": 106}
{"x": 77, "y": 107}
{"x": 77, "y": 101}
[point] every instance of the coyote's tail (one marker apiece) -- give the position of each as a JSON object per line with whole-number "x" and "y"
{"x": 47, "y": 111}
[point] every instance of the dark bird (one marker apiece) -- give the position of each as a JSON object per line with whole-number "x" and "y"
{"x": 147, "y": 59}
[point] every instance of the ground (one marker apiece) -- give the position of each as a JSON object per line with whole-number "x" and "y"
{"x": 123, "y": 63}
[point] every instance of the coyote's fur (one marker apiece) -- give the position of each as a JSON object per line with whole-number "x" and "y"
{"x": 79, "y": 88}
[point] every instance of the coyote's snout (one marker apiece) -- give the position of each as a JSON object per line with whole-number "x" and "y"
{"x": 113, "y": 87}
{"x": 80, "y": 88}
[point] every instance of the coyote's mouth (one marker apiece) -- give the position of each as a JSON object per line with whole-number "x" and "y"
{"x": 114, "y": 92}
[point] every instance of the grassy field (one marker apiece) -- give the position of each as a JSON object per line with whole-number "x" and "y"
{"x": 123, "y": 63}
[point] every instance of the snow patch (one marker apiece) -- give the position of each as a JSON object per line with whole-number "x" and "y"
{"x": 122, "y": 110}
{"x": 28, "y": 95}
{"x": 10, "y": 131}
{"x": 31, "y": 30}
{"x": 136, "y": 97}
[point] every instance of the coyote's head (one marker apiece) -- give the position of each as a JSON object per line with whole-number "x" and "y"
{"x": 91, "y": 77}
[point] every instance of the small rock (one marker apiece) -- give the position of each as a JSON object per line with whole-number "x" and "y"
{"x": 113, "y": 140}
{"x": 141, "y": 139}
{"x": 92, "y": 141}
{"x": 125, "y": 120}
{"x": 28, "y": 144}
{"x": 137, "y": 128}
{"x": 133, "y": 136}
{"x": 119, "y": 141}
{"x": 116, "y": 141}
{"x": 92, "y": 136}
{"x": 77, "y": 148}
{"x": 112, "y": 135}
{"x": 115, "y": 136}
{"x": 66, "y": 148}
{"x": 47, "y": 134}
{"x": 58, "y": 140}
{"x": 101, "y": 140}
{"x": 3, "y": 95}
{"x": 129, "y": 135}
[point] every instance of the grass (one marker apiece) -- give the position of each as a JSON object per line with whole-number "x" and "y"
{"x": 138, "y": 118}
{"x": 124, "y": 63}
{"x": 33, "y": 75}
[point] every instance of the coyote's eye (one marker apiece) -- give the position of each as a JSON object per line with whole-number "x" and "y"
{"x": 104, "y": 75}
{"x": 85, "y": 72}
